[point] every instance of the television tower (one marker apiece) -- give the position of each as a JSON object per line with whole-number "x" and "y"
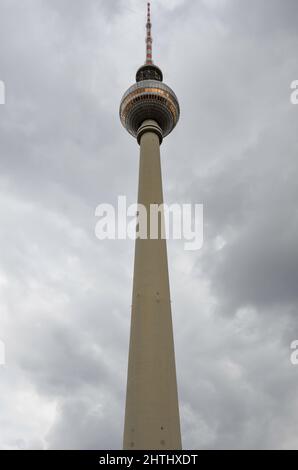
{"x": 149, "y": 111}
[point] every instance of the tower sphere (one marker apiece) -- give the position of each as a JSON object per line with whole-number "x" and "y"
{"x": 149, "y": 98}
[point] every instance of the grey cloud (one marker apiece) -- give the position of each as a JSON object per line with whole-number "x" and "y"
{"x": 260, "y": 18}
{"x": 65, "y": 296}
{"x": 87, "y": 424}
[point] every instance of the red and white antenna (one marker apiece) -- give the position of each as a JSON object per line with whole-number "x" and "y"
{"x": 148, "y": 37}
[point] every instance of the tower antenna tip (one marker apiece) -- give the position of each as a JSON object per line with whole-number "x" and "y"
{"x": 148, "y": 37}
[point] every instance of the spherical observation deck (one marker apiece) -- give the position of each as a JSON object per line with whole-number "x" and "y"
{"x": 149, "y": 100}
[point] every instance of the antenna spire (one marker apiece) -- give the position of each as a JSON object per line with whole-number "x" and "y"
{"x": 148, "y": 37}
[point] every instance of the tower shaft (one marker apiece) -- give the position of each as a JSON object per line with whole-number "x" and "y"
{"x": 152, "y": 413}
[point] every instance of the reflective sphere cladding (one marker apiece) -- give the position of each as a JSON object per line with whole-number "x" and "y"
{"x": 149, "y": 99}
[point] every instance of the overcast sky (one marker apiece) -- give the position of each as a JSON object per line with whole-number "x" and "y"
{"x": 65, "y": 296}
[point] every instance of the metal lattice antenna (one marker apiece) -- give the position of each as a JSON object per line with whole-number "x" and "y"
{"x": 148, "y": 38}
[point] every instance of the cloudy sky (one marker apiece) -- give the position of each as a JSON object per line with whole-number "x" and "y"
{"x": 65, "y": 296}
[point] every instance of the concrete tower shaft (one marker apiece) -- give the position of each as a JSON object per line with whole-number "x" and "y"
{"x": 152, "y": 413}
